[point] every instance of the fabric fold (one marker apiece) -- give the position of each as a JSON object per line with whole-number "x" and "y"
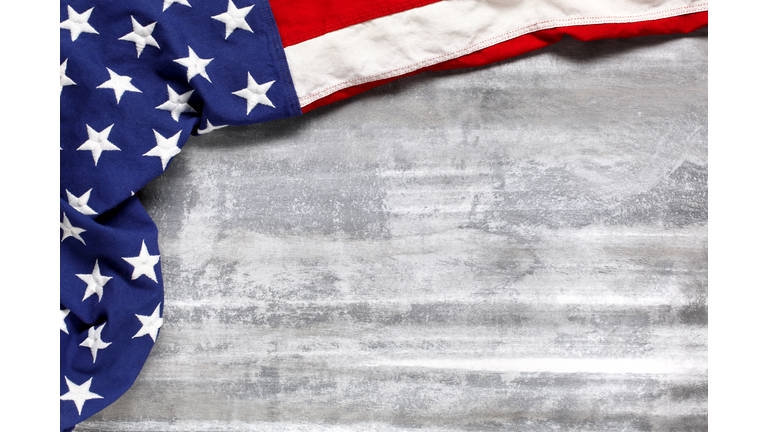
{"x": 139, "y": 78}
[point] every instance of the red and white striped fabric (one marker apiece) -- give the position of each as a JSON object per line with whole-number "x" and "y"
{"x": 338, "y": 48}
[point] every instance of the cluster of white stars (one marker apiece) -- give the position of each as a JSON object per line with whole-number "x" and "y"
{"x": 143, "y": 265}
{"x": 98, "y": 142}
{"x": 150, "y": 324}
{"x": 233, "y": 19}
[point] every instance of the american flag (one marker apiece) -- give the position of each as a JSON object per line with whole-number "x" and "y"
{"x": 139, "y": 78}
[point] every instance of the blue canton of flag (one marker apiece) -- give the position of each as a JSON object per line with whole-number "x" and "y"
{"x": 137, "y": 79}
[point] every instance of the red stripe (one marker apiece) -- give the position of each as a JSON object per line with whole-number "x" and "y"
{"x": 301, "y": 20}
{"x": 537, "y": 40}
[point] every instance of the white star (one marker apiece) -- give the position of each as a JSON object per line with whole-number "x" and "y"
{"x": 166, "y": 148}
{"x": 77, "y": 23}
{"x": 64, "y": 313}
{"x": 149, "y": 324}
{"x": 144, "y": 264}
{"x": 95, "y": 282}
{"x": 255, "y": 93}
{"x": 97, "y": 143}
{"x": 94, "y": 342}
{"x": 63, "y": 78}
{"x": 209, "y": 128}
{"x": 80, "y": 203}
{"x": 119, "y": 83}
{"x": 79, "y": 393}
{"x": 68, "y": 230}
{"x": 168, "y": 3}
{"x": 176, "y": 103}
{"x": 141, "y": 36}
{"x": 195, "y": 65}
{"x": 234, "y": 18}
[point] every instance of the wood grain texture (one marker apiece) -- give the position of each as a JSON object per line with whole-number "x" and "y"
{"x": 520, "y": 247}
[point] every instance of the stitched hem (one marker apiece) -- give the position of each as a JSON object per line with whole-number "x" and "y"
{"x": 542, "y": 25}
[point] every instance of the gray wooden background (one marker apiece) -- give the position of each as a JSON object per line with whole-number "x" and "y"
{"x": 520, "y": 247}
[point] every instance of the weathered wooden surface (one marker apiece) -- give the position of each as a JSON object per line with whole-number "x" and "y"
{"x": 521, "y": 247}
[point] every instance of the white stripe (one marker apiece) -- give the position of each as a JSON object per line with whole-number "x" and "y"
{"x": 400, "y": 43}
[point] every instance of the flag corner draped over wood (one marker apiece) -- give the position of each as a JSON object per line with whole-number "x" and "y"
{"x": 139, "y": 78}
